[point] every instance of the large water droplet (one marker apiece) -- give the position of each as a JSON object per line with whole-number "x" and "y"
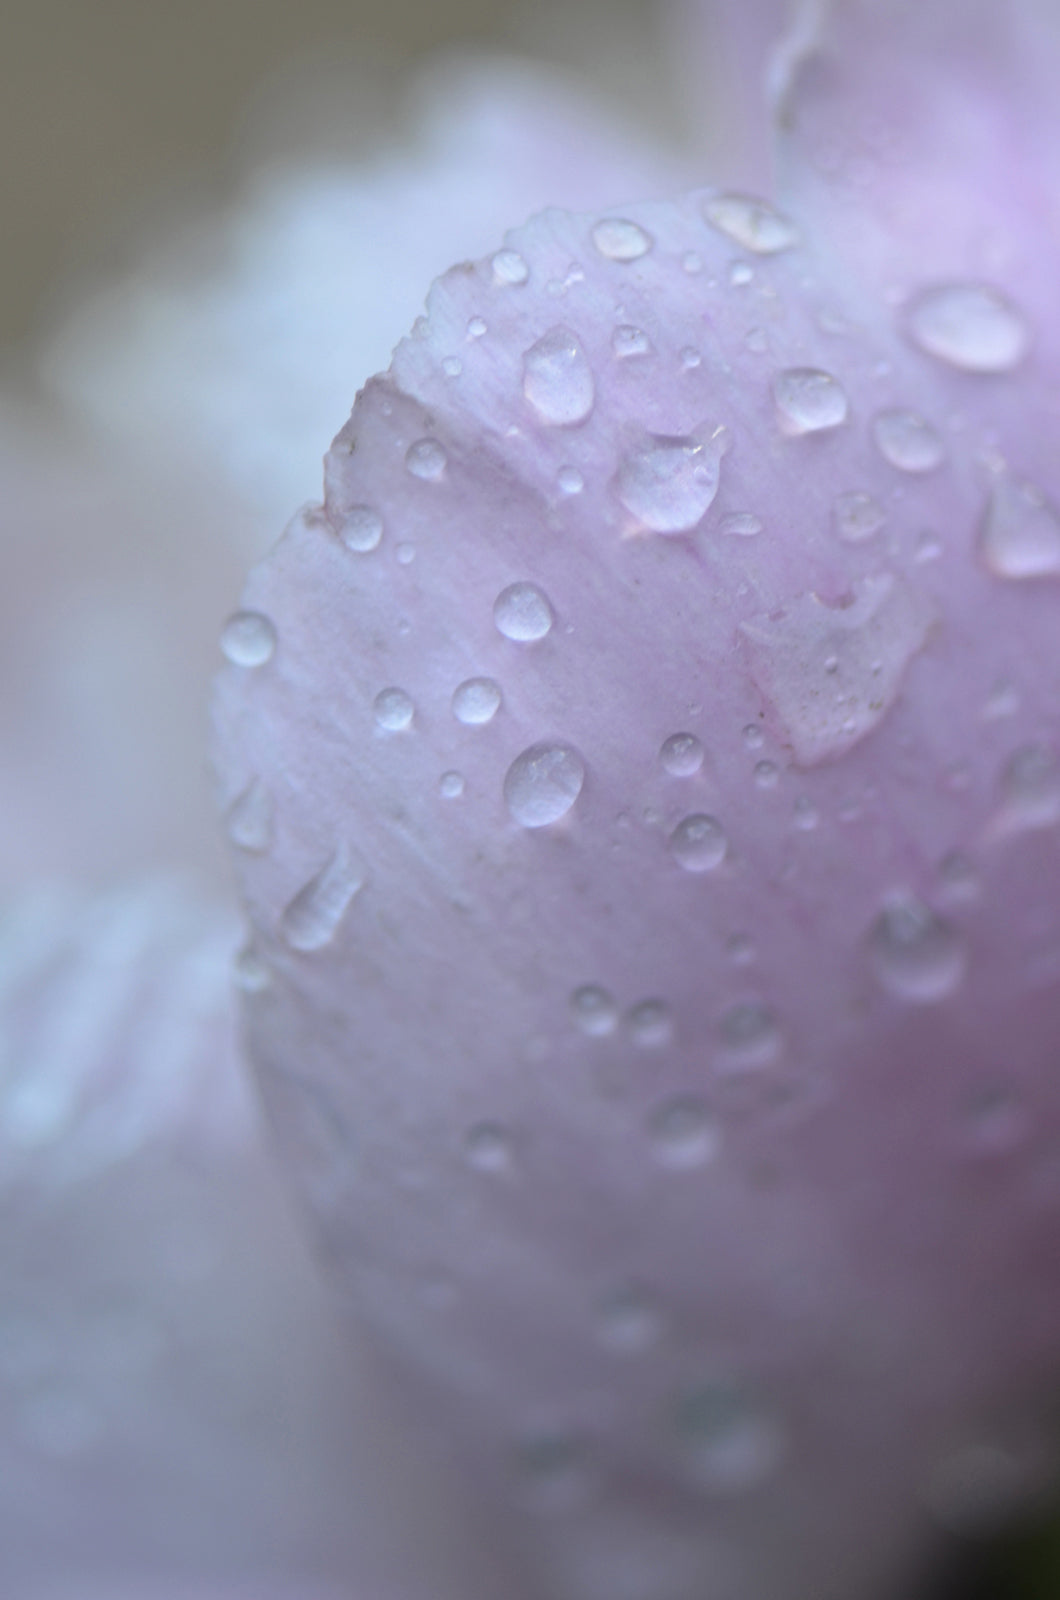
{"x": 915, "y": 953}
{"x": 594, "y": 1010}
{"x": 361, "y": 529}
{"x": 750, "y": 223}
{"x": 542, "y": 784}
{"x": 858, "y": 516}
{"x": 249, "y": 819}
{"x": 476, "y": 701}
{"x": 669, "y": 483}
{"x": 969, "y": 325}
{"x": 1020, "y": 532}
{"x": 831, "y": 673}
{"x": 621, "y": 240}
{"x": 426, "y": 459}
{"x": 683, "y": 1133}
{"x": 698, "y": 843}
{"x": 558, "y": 380}
{"x": 627, "y": 341}
{"x": 907, "y": 441}
{"x": 681, "y": 755}
{"x": 248, "y": 639}
{"x": 522, "y": 612}
{"x": 732, "y": 1444}
{"x": 312, "y": 918}
{"x": 393, "y": 710}
{"x": 808, "y": 401}
{"x": 509, "y": 269}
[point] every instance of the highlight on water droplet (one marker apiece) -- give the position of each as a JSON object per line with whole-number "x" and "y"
{"x": 1019, "y": 536}
{"x": 476, "y": 701}
{"x": 593, "y": 1010}
{"x": 668, "y": 484}
{"x": 698, "y": 843}
{"x": 361, "y": 529}
{"x": 914, "y": 953}
{"x": 313, "y": 917}
{"x": 907, "y": 441}
{"x": 393, "y": 710}
{"x": 618, "y": 239}
{"x": 751, "y": 223}
{"x": 248, "y": 639}
{"x": 858, "y": 516}
{"x": 426, "y": 459}
{"x": 681, "y": 755}
{"x": 523, "y": 613}
{"x": 808, "y": 400}
{"x": 250, "y": 818}
{"x": 509, "y": 269}
{"x": 972, "y": 326}
{"x": 683, "y": 1133}
{"x": 542, "y": 784}
{"x": 558, "y": 380}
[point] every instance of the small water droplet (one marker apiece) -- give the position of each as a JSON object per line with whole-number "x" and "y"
{"x": 477, "y": 328}
{"x": 766, "y": 774}
{"x": 858, "y": 516}
{"x": 698, "y": 843}
{"x": 732, "y": 1444}
{"x": 476, "y": 701}
{"x": 805, "y": 815}
{"x": 1020, "y": 532}
{"x": 542, "y": 784}
{"x": 451, "y": 785}
{"x": 683, "y": 1133}
{"x": 651, "y": 1024}
{"x": 1030, "y": 790}
{"x": 692, "y": 262}
{"x": 405, "y": 553}
{"x": 690, "y": 358}
{"x": 740, "y": 524}
{"x": 915, "y": 953}
{"x": 618, "y": 239}
{"x": 958, "y": 879}
{"x": 751, "y": 223}
{"x": 452, "y": 366}
{"x": 670, "y": 483}
{"x": 523, "y": 613}
{"x": 741, "y": 274}
{"x": 594, "y": 1010}
{"x": 509, "y": 269}
{"x": 312, "y": 918}
{"x": 753, "y": 737}
{"x": 740, "y": 949}
{"x": 361, "y": 529}
{"x": 569, "y": 481}
{"x": 995, "y": 1123}
{"x": 558, "y": 380}
{"x": 249, "y": 819}
{"x": 393, "y": 710}
{"x": 488, "y": 1148}
{"x": 1002, "y": 701}
{"x": 928, "y": 547}
{"x": 249, "y": 971}
{"x": 426, "y": 459}
{"x": 757, "y": 341}
{"x": 750, "y": 1035}
{"x": 248, "y": 639}
{"x": 969, "y": 325}
{"x": 808, "y": 401}
{"x": 907, "y": 441}
{"x": 681, "y": 755}
{"x": 628, "y": 1321}
{"x": 627, "y": 341}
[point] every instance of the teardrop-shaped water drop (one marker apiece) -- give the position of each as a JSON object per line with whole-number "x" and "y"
{"x": 972, "y": 326}
{"x": 558, "y": 380}
{"x": 916, "y": 954}
{"x": 542, "y": 784}
{"x": 1020, "y": 532}
{"x": 808, "y": 400}
{"x": 669, "y": 484}
{"x": 313, "y": 917}
{"x": 751, "y": 223}
{"x": 618, "y": 239}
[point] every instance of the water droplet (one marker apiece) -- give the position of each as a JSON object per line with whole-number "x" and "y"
{"x": 628, "y": 1321}
{"x": 928, "y": 547}
{"x": 690, "y": 358}
{"x": 681, "y": 755}
{"x": 753, "y": 737}
{"x": 405, "y": 553}
{"x": 995, "y": 1123}
{"x": 543, "y": 783}
{"x": 907, "y": 441}
{"x": 594, "y": 1010}
{"x": 698, "y": 843}
{"x": 509, "y": 269}
{"x": 477, "y": 328}
{"x": 692, "y": 262}
{"x": 249, "y": 971}
{"x": 249, "y": 820}
{"x": 627, "y": 341}
{"x": 750, "y": 1035}
{"x": 476, "y": 701}
{"x": 831, "y": 673}
{"x": 248, "y": 639}
{"x": 451, "y": 785}
{"x": 683, "y": 1133}
{"x": 361, "y": 529}
{"x": 1002, "y": 701}
{"x": 741, "y": 274}
{"x": 651, "y": 1024}
{"x": 740, "y": 950}
{"x": 858, "y": 516}
{"x": 569, "y": 481}
{"x": 1030, "y": 790}
{"x": 969, "y": 325}
{"x": 750, "y": 223}
{"x": 808, "y": 401}
{"x": 731, "y": 1443}
{"x": 914, "y": 953}
{"x": 488, "y": 1148}
{"x": 805, "y": 815}
{"x": 669, "y": 484}
{"x": 757, "y": 341}
{"x": 523, "y": 613}
{"x": 393, "y": 710}
{"x": 452, "y": 366}
{"x": 558, "y": 380}
{"x": 958, "y": 879}
{"x": 741, "y": 524}
{"x": 766, "y": 774}
{"x": 1020, "y": 532}
{"x": 621, "y": 240}
{"x": 426, "y": 459}
{"x": 312, "y": 918}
